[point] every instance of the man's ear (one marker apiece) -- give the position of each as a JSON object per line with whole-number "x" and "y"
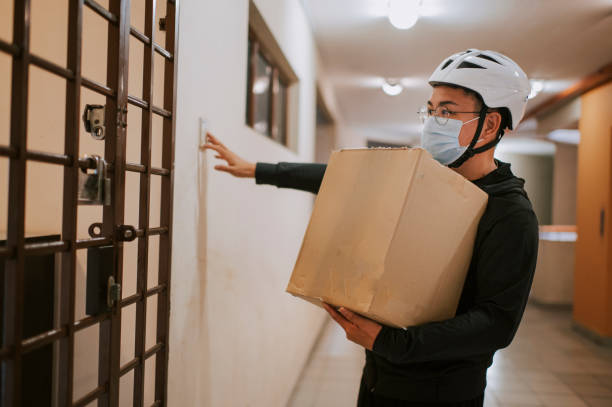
{"x": 491, "y": 126}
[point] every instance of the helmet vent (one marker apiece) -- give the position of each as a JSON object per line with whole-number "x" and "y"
{"x": 466, "y": 64}
{"x": 447, "y": 63}
{"x": 483, "y": 56}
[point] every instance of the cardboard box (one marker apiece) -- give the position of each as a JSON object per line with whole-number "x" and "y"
{"x": 390, "y": 237}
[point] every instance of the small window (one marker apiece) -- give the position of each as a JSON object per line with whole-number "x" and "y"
{"x": 262, "y": 93}
{"x": 269, "y": 78}
{"x": 280, "y": 119}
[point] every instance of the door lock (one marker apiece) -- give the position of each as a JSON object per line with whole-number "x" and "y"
{"x": 95, "y": 187}
{"x": 93, "y": 118}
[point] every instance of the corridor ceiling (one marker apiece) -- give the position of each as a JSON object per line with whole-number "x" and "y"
{"x": 559, "y": 41}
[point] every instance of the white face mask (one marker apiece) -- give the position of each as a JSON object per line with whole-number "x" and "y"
{"x": 442, "y": 141}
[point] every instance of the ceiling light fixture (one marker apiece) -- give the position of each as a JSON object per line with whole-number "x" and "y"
{"x": 392, "y": 87}
{"x": 403, "y": 14}
{"x": 536, "y": 87}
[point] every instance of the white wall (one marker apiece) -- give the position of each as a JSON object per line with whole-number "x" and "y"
{"x": 533, "y": 161}
{"x": 564, "y": 184}
{"x": 565, "y": 116}
{"x": 565, "y": 174}
{"x": 237, "y": 339}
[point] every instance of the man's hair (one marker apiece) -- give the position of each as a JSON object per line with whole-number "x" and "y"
{"x": 479, "y": 102}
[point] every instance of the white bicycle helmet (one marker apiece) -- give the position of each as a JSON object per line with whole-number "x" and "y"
{"x": 500, "y": 82}
{"x": 495, "y": 77}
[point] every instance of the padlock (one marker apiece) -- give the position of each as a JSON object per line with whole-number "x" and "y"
{"x": 93, "y": 118}
{"x": 95, "y": 188}
{"x": 91, "y": 185}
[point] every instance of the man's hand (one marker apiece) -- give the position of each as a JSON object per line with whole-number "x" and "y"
{"x": 358, "y": 329}
{"x": 236, "y": 166}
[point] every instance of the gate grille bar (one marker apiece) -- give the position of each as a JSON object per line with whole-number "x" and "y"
{"x": 14, "y": 267}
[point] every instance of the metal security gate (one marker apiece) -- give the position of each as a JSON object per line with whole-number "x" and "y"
{"x": 107, "y": 238}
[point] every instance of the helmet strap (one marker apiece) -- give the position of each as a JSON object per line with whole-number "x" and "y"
{"x": 488, "y": 146}
{"x": 470, "y": 151}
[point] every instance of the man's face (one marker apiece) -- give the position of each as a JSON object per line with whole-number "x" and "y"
{"x": 456, "y": 100}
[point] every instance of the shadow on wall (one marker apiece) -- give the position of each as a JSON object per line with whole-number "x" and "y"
{"x": 199, "y": 290}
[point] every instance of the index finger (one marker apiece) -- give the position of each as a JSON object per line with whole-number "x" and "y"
{"x": 214, "y": 140}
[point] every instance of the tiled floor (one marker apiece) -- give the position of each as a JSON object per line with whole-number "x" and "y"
{"x": 548, "y": 364}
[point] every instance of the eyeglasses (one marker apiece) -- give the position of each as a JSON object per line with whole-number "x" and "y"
{"x": 441, "y": 114}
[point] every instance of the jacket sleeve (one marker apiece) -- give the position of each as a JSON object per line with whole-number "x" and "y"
{"x": 302, "y": 176}
{"x": 505, "y": 265}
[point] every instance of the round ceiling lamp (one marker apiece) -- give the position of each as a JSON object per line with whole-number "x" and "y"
{"x": 403, "y": 14}
{"x": 392, "y": 87}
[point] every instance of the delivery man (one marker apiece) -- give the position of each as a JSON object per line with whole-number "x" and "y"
{"x": 476, "y": 96}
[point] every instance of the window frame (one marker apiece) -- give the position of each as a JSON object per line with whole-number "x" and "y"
{"x": 262, "y": 42}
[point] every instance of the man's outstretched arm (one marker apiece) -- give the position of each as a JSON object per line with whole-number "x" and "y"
{"x": 302, "y": 176}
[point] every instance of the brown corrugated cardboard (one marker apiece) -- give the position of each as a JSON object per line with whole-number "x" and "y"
{"x": 390, "y": 237}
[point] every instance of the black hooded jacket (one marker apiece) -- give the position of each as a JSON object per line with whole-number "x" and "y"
{"x": 448, "y": 360}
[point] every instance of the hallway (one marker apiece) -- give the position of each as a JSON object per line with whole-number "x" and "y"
{"x": 548, "y": 364}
